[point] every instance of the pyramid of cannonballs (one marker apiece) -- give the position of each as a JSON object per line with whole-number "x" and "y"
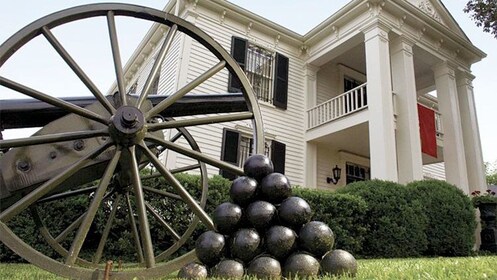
{"x": 265, "y": 232}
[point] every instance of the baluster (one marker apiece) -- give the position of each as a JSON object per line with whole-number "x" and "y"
{"x": 335, "y": 108}
{"x": 356, "y": 99}
{"x": 327, "y": 111}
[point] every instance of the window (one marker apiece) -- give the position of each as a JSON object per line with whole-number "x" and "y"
{"x": 355, "y": 172}
{"x": 237, "y": 147}
{"x": 349, "y": 83}
{"x": 354, "y": 100}
{"x": 246, "y": 147}
{"x": 259, "y": 70}
{"x": 267, "y": 72}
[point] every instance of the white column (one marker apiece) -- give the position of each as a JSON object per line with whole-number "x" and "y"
{"x": 410, "y": 162}
{"x": 448, "y": 103}
{"x": 471, "y": 133}
{"x": 311, "y": 150}
{"x": 381, "y": 118}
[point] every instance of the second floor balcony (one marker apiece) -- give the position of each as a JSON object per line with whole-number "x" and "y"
{"x": 354, "y": 101}
{"x": 337, "y": 107}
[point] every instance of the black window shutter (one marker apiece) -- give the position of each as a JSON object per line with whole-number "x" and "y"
{"x": 281, "y": 81}
{"x": 278, "y": 156}
{"x": 239, "y": 53}
{"x": 229, "y": 151}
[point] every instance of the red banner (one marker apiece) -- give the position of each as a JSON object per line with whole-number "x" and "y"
{"x": 427, "y": 131}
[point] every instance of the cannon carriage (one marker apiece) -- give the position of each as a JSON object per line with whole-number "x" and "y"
{"x": 96, "y": 147}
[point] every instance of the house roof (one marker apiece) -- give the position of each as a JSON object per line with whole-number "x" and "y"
{"x": 431, "y": 16}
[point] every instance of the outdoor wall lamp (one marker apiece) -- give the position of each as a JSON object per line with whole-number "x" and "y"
{"x": 336, "y": 175}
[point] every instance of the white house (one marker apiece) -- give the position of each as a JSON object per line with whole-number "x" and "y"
{"x": 350, "y": 93}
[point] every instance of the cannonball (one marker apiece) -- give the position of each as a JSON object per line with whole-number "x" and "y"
{"x": 275, "y": 187}
{"x": 264, "y": 267}
{"x": 294, "y": 212}
{"x": 301, "y": 265}
{"x": 280, "y": 241}
{"x": 339, "y": 262}
{"x": 316, "y": 238}
{"x": 260, "y": 214}
{"x": 193, "y": 271}
{"x": 228, "y": 269}
{"x": 243, "y": 190}
{"x": 209, "y": 247}
{"x": 226, "y": 217}
{"x": 245, "y": 244}
{"x": 258, "y": 167}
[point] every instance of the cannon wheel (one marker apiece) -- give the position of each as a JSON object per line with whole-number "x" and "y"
{"x": 130, "y": 138}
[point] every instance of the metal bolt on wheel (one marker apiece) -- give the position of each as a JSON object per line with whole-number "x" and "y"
{"x": 98, "y": 152}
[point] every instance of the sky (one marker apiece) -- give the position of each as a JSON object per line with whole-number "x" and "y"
{"x": 297, "y": 15}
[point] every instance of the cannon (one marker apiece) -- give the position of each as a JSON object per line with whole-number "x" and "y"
{"x": 97, "y": 147}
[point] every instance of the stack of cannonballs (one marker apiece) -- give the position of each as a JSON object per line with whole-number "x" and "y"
{"x": 266, "y": 233}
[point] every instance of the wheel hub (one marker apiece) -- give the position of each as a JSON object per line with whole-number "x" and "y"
{"x": 127, "y": 126}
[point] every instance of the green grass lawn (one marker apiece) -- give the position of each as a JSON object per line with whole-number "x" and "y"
{"x": 426, "y": 268}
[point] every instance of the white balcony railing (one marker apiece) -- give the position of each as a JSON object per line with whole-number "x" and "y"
{"x": 344, "y": 104}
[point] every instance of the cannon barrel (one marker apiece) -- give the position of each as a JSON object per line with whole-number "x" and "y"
{"x": 24, "y": 113}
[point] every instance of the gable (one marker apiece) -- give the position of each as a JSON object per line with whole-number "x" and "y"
{"x": 436, "y": 10}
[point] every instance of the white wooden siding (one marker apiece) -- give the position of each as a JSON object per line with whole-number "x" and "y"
{"x": 434, "y": 171}
{"x": 287, "y": 125}
{"x": 169, "y": 69}
{"x": 327, "y": 83}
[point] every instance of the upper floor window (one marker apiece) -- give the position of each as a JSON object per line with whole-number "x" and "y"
{"x": 259, "y": 71}
{"x": 267, "y": 72}
{"x": 349, "y": 83}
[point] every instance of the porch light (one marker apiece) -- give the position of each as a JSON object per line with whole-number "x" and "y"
{"x": 336, "y": 175}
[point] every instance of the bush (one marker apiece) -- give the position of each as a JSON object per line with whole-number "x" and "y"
{"x": 395, "y": 224}
{"x": 344, "y": 214}
{"x": 58, "y": 215}
{"x": 451, "y": 217}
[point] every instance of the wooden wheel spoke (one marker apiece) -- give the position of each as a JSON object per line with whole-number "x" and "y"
{"x": 164, "y": 104}
{"x": 187, "y": 198}
{"x": 62, "y": 236}
{"x": 67, "y": 194}
{"x": 196, "y": 155}
{"x": 185, "y": 168}
{"x": 164, "y": 193}
{"x": 176, "y": 136}
{"x": 141, "y": 211}
{"x": 77, "y": 70}
{"x": 52, "y": 100}
{"x": 158, "y": 217}
{"x": 201, "y": 121}
{"x": 105, "y": 233}
{"x": 92, "y": 210}
{"x": 134, "y": 229}
{"x": 173, "y": 171}
{"x": 157, "y": 65}
{"x": 116, "y": 55}
{"x": 52, "y": 138}
{"x": 50, "y": 185}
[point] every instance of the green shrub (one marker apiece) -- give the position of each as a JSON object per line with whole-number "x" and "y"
{"x": 451, "y": 217}
{"x": 395, "y": 224}
{"x": 344, "y": 214}
{"x": 58, "y": 215}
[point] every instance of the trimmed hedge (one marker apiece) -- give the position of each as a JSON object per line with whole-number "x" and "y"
{"x": 345, "y": 214}
{"x": 395, "y": 224}
{"x": 370, "y": 219}
{"x": 58, "y": 215}
{"x": 451, "y": 217}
